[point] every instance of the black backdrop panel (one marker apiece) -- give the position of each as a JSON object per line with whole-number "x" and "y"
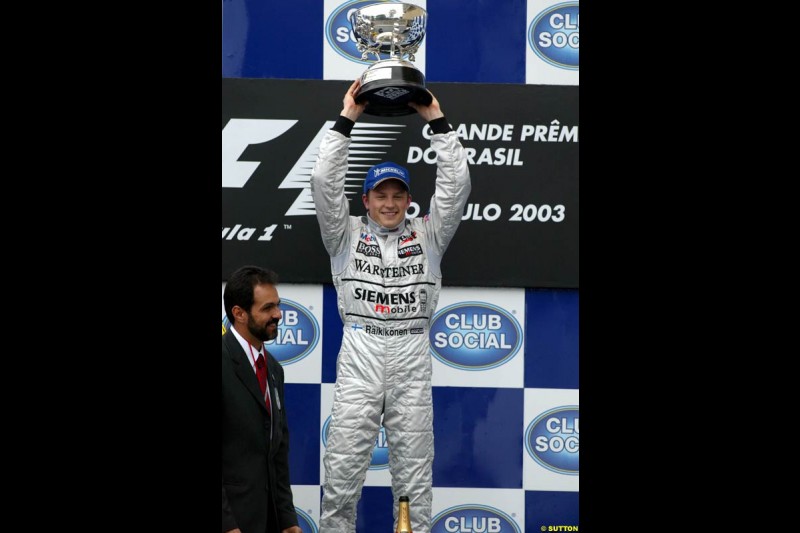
{"x": 520, "y": 227}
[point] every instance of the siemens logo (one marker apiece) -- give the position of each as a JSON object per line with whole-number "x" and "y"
{"x": 380, "y": 452}
{"x": 383, "y": 298}
{"x": 298, "y": 334}
{"x": 475, "y": 336}
{"x": 472, "y": 518}
{"x": 552, "y": 440}
{"x": 305, "y": 522}
{"x": 554, "y": 35}
{"x": 339, "y": 32}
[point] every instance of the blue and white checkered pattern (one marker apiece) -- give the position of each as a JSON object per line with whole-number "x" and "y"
{"x": 503, "y": 41}
{"x": 506, "y": 404}
{"x": 505, "y": 381}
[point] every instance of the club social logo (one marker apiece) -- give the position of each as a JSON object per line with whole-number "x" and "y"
{"x": 298, "y": 333}
{"x": 474, "y": 336}
{"x": 551, "y": 439}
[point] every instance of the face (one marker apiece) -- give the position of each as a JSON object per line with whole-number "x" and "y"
{"x": 387, "y": 203}
{"x": 263, "y": 318}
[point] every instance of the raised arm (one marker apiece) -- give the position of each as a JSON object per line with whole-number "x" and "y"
{"x": 453, "y": 183}
{"x": 329, "y": 173}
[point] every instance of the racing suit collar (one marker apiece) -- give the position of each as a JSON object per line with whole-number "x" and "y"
{"x": 383, "y": 230}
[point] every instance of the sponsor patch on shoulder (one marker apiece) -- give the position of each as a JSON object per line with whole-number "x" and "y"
{"x": 370, "y": 250}
{"x": 408, "y": 251}
{"x": 404, "y": 239}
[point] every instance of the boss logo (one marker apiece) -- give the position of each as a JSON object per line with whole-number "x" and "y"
{"x": 370, "y": 250}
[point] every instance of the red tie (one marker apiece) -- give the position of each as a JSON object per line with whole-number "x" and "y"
{"x": 261, "y": 373}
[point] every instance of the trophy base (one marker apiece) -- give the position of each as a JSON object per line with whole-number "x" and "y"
{"x": 389, "y": 85}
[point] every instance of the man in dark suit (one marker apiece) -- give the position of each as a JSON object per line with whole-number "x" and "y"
{"x": 256, "y": 493}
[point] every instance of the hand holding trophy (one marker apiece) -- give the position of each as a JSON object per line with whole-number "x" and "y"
{"x": 390, "y": 84}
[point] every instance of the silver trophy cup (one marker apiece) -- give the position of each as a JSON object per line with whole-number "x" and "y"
{"x": 396, "y": 30}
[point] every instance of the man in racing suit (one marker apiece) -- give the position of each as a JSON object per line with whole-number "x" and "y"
{"x": 386, "y": 270}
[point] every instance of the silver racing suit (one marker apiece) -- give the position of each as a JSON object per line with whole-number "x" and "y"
{"x": 387, "y": 284}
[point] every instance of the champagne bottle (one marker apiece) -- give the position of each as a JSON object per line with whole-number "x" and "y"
{"x": 403, "y": 518}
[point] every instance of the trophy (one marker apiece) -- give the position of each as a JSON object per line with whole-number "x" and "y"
{"x": 390, "y": 84}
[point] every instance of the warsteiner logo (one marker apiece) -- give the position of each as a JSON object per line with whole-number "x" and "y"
{"x": 388, "y": 272}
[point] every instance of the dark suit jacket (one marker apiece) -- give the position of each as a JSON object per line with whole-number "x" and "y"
{"x": 256, "y": 493}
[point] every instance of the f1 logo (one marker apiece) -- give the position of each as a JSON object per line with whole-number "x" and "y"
{"x": 237, "y": 135}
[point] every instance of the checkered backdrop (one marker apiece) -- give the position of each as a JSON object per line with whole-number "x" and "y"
{"x": 506, "y": 405}
{"x": 506, "y": 408}
{"x": 503, "y": 41}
